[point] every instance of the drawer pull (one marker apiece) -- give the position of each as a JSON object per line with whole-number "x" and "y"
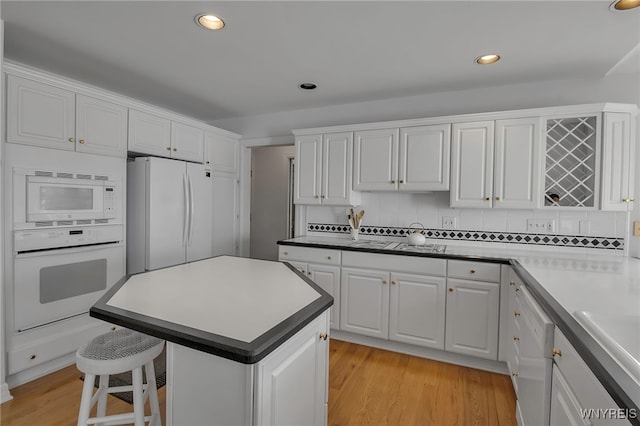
{"x": 517, "y": 289}
{"x": 555, "y": 352}
{"x": 514, "y": 374}
{"x": 324, "y": 336}
{"x": 384, "y": 281}
{"x": 473, "y": 271}
{"x": 329, "y": 257}
{"x": 393, "y": 283}
{"x": 450, "y": 289}
{"x": 72, "y": 139}
{"x": 309, "y": 273}
{"x": 512, "y": 283}
{"x": 286, "y": 253}
{"x": 33, "y": 356}
{"x": 175, "y": 149}
{"x": 168, "y": 148}
{"x": 516, "y": 313}
{"x": 516, "y": 338}
{"x": 113, "y": 329}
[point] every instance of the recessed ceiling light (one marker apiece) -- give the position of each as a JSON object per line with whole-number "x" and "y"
{"x": 487, "y": 59}
{"x": 210, "y": 22}
{"x": 624, "y": 4}
{"x": 307, "y": 86}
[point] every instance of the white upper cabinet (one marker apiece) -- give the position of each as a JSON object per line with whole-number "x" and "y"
{"x": 154, "y": 135}
{"x": 187, "y": 142}
{"x": 323, "y": 169}
{"x": 44, "y": 115}
{"x": 221, "y": 152}
{"x": 496, "y": 164}
{"x": 618, "y": 160}
{"x": 149, "y": 134}
{"x": 424, "y": 157}
{"x": 375, "y": 165}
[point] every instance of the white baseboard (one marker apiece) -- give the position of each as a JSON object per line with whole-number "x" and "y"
{"x": 433, "y": 354}
{"x": 4, "y": 393}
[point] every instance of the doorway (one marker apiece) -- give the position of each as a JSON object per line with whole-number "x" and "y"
{"x": 272, "y": 216}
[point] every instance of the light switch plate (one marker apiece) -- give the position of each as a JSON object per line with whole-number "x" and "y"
{"x": 448, "y": 222}
{"x": 636, "y": 229}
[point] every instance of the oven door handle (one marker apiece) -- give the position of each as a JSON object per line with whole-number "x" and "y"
{"x": 185, "y": 223}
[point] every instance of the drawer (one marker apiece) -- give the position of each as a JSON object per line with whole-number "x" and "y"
{"x": 477, "y": 271}
{"x": 583, "y": 383}
{"x": 397, "y": 263}
{"x": 309, "y": 254}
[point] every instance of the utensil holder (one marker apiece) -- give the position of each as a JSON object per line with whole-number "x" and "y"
{"x": 355, "y": 233}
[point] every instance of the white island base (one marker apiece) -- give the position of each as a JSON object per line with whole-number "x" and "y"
{"x": 287, "y": 387}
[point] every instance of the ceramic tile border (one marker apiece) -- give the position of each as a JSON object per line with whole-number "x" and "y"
{"x": 581, "y": 241}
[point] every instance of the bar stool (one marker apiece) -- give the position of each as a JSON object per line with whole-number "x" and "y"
{"x": 116, "y": 352}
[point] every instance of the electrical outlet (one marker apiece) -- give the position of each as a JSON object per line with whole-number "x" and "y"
{"x": 448, "y": 222}
{"x": 540, "y": 226}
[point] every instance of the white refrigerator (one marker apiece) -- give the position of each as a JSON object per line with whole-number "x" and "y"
{"x": 169, "y": 213}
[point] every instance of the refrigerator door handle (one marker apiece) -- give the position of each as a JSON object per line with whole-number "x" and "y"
{"x": 191, "y": 211}
{"x": 185, "y": 223}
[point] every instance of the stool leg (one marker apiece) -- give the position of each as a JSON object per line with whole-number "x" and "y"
{"x": 150, "y": 373}
{"x": 85, "y": 402}
{"x": 102, "y": 401}
{"x": 138, "y": 398}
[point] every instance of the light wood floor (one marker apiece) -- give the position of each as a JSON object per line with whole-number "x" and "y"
{"x": 367, "y": 386}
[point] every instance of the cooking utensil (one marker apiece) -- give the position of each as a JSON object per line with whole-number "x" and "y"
{"x": 415, "y": 236}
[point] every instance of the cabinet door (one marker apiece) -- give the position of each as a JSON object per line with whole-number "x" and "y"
{"x": 617, "y": 156}
{"x": 337, "y": 150}
{"x": 424, "y": 156}
{"x": 472, "y": 318}
{"x": 328, "y": 277}
{"x": 40, "y": 114}
{"x": 187, "y": 142}
{"x": 308, "y": 169}
{"x": 149, "y": 134}
{"x": 101, "y": 127}
{"x": 565, "y": 408}
{"x": 417, "y": 309}
{"x": 221, "y": 152}
{"x": 292, "y": 382}
{"x": 517, "y": 163}
{"x": 375, "y": 160}
{"x": 472, "y": 164}
{"x": 364, "y": 302}
{"x": 225, "y": 214}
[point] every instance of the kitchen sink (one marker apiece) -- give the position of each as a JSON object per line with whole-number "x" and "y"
{"x": 385, "y": 245}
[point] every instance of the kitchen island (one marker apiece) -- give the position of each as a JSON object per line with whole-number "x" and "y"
{"x": 246, "y": 339}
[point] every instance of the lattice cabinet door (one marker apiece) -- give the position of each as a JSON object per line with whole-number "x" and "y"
{"x": 572, "y": 158}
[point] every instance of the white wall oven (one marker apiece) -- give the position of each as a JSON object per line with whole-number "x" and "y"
{"x": 68, "y": 244}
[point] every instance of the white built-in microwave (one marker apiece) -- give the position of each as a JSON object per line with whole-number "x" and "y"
{"x": 62, "y": 199}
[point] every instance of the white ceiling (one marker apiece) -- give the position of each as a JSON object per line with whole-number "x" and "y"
{"x": 355, "y": 51}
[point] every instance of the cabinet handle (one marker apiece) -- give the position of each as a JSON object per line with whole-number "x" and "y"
{"x": 512, "y": 283}
{"x": 516, "y": 338}
{"x": 175, "y": 149}
{"x": 487, "y": 198}
{"x": 168, "y": 148}
{"x": 555, "y": 352}
{"x": 315, "y": 196}
{"x": 324, "y": 196}
{"x": 207, "y": 162}
{"x": 450, "y": 289}
{"x": 81, "y": 141}
{"x": 393, "y": 181}
{"x": 498, "y": 198}
{"x": 384, "y": 281}
{"x": 393, "y": 283}
{"x": 628, "y": 200}
{"x": 324, "y": 336}
{"x": 113, "y": 329}
{"x": 514, "y": 374}
{"x": 286, "y": 253}
{"x": 329, "y": 257}
{"x": 72, "y": 140}
{"x": 516, "y": 313}
{"x": 302, "y": 270}
{"x": 401, "y": 181}
{"x": 472, "y": 271}
{"x": 32, "y": 356}
{"x": 309, "y": 273}
{"x": 517, "y": 289}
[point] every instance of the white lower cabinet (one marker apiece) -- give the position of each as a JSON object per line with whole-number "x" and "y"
{"x": 403, "y": 306}
{"x": 565, "y": 409}
{"x": 288, "y": 387}
{"x": 322, "y": 266}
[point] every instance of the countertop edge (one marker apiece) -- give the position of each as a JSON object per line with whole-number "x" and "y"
{"x": 236, "y": 350}
{"x": 609, "y": 372}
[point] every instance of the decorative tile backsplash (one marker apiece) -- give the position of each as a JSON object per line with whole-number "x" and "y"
{"x": 581, "y": 241}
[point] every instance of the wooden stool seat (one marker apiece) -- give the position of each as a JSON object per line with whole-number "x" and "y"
{"x": 117, "y": 352}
